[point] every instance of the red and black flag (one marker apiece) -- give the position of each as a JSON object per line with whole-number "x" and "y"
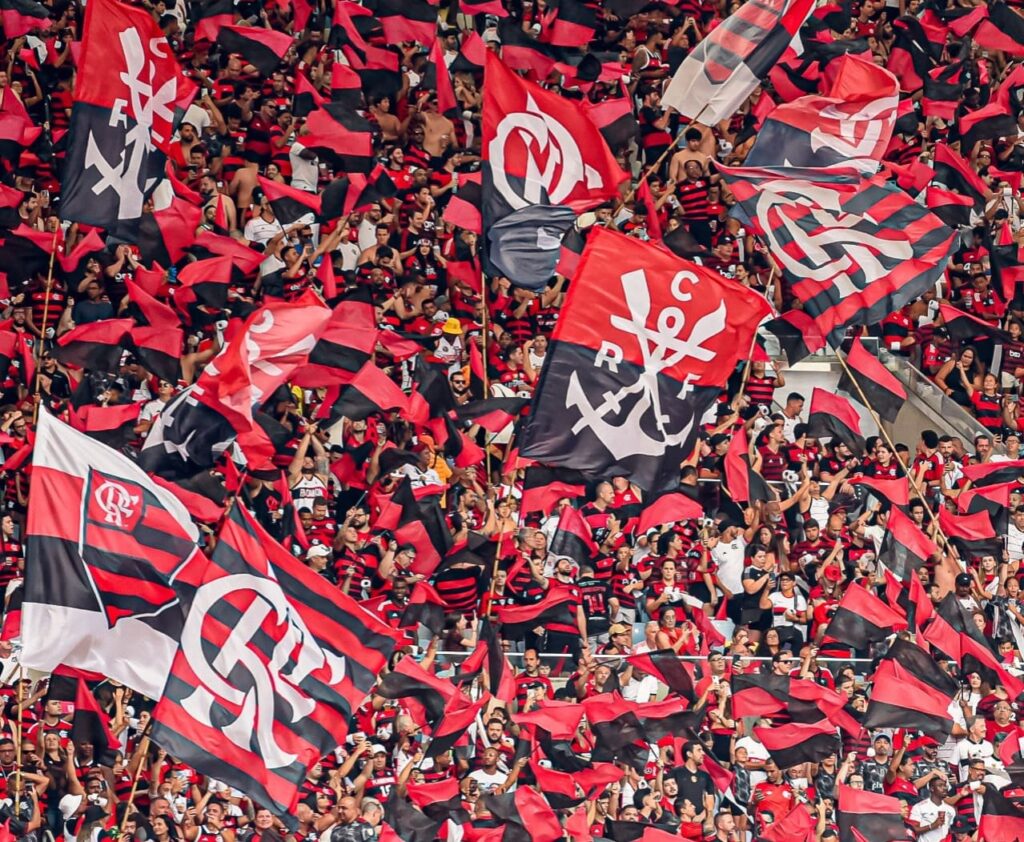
{"x": 344, "y": 346}
{"x": 20, "y": 17}
{"x": 862, "y": 619}
{"x": 346, "y": 86}
{"x": 616, "y": 120}
{"x": 671, "y": 507}
{"x": 993, "y": 499}
{"x": 901, "y": 248}
{"x": 990, "y": 122}
{"x": 463, "y": 208}
{"x": 311, "y": 656}
{"x": 422, "y": 524}
{"x": 743, "y": 483}
{"x": 868, "y": 817}
{"x": 883, "y": 391}
{"x": 942, "y": 89}
{"x": 440, "y": 800}
{"x": 424, "y": 607}
{"x": 573, "y": 537}
{"x": 957, "y": 175}
{"x": 488, "y": 658}
{"x": 555, "y": 606}
{"x": 211, "y": 15}
{"x": 664, "y": 664}
{"x": 726, "y": 66}
{"x": 289, "y": 203}
{"x": 994, "y": 473}
{"x": 916, "y": 661}
{"x": 90, "y": 723}
{"x": 1000, "y": 818}
{"x": 95, "y": 346}
{"x": 341, "y": 135}
{"x": 113, "y": 425}
{"x": 186, "y": 437}
{"x": 952, "y": 208}
{"x": 973, "y": 535}
{"x": 164, "y": 235}
{"x": 799, "y": 742}
{"x": 528, "y": 203}
{"x": 493, "y": 414}
{"x": 355, "y": 192}
{"x": 797, "y": 333}
{"x": 963, "y": 327}
{"x": 404, "y": 823}
{"x": 261, "y": 47}
{"x": 519, "y": 51}
{"x": 896, "y": 491}
{"x": 913, "y": 53}
{"x": 850, "y": 123}
{"x": 426, "y": 695}
{"x": 527, "y": 814}
{"x": 204, "y": 282}
{"x": 544, "y": 487}
{"x": 368, "y": 392}
{"x": 905, "y": 546}
{"x": 406, "y": 20}
{"x": 629, "y": 418}
{"x": 834, "y": 417}
{"x": 1001, "y": 29}
{"x": 568, "y": 23}
{"x": 901, "y": 700}
{"x": 113, "y": 165}
{"x": 103, "y": 543}
{"x": 158, "y": 350}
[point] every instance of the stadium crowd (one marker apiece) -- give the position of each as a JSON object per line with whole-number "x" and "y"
{"x": 741, "y": 590}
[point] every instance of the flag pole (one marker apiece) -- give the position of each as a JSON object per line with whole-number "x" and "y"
{"x": 42, "y": 333}
{"x": 892, "y": 446}
{"x": 143, "y": 749}
{"x": 487, "y": 380}
{"x": 20, "y": 728}
{"x": 653, "y": 167}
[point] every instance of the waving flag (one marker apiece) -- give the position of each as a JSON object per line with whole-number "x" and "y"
{"x": 544, "y": 162}
{"x": 849, "y": 124}
{"x": 103, "y": 544}
{"x": 644, "y": 341}
{"x": 724, "y": 68}
{"x": 854, "y": 249}
{"x": 271, "y": 665}
{"x": 113, "y": 164}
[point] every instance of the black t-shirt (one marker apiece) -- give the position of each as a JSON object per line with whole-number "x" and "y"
{"x": 595, "y": 604}
{"x": 693, "y": 785}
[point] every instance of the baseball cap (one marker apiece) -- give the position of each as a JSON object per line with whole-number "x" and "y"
{"x": 68, "y": 805}
{"x": 963, "y": 579}
{"x": 377, "y": 748}
{"x": 318, "y": 551}
{"x": 619, "y": 628}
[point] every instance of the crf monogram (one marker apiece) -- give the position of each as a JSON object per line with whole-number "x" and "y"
{"x": 278, "y": 678}
{"x": 661, "y": 348}
{"x": 116, "y": 503}
{"x": 153, "y": 113}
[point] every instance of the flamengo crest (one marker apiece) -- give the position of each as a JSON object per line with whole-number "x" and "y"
{"x": 150, "y": 109}
{"x": 644, "y": 429}
{"x": 277, "y": 676}
{"x": 554, "y": 164}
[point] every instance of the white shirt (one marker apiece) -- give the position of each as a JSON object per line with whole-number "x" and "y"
{"x": 925, "y": 813}
{"x": 1015, "y": 543}
{"x": 349, "y": 255}
{"x": 305, "y": 173}
{"x": 641, "y": 690}
{"x": 258, "y": 230}
{"x": 729, "y": 560}
{"x": 487, "y": 780}
{"x": 755, "y": 751}
{"x": 796, "y": 602}
{"x": 789, "y": 428}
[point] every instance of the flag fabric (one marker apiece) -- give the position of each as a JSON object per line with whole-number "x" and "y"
{"x": 664, "y": 664}
{"x": 994, "y": 473}
{"x": 900, "y": 700}
{"x": 426, "y": 607}
{"x": 1000, "y": 817}
{"x": 427, "y": 695}
{"x": 905, "y": 547}
{"x": 609, "y": 398}
{"x": 90, "y": 723}
{"x": 973, "y": 535}
{"x": 725, "y": 67}
{"x": 573, "y": 537}
{"x": 799, "y": 742}
{"x": 112, "y": 425}
{"x": 568, "y": 23}
{"x": 526, "y": 811}
{"x": 289, "y": 203}
{"x": 833, "y": 417}
{"x": 868, "y": 817}
{"x": 96, "y": 346}
{"x": 186, "y": 437}
{"x": 915, "y": 660}
{"x": 743, "y": 483}
{"x": 668, "y": 508}
{"x": 528, "y": 206}
{"x": 862, "y": 619}
{"x": 854, "y": 249}
{"x": 883, "y": 391}
{"x": 958, "y": 176}
{"x": 797, "y": 333}
{"x": 112, "y": 587}
{"x": 963, "y": 327}
{"x": 407, "y": 20}
{"x": 516, "y": 619}
{"x": 850, "y": 123}
{"x": 896, "y": 491}
{"x": 341, "y": 135}
{"x": 261, "y": 47}
{"x": 20, "y": 17}
{"x": 112, "y": 166}
{"x": 544, "y": 487}
{"x": 271, "y": 665}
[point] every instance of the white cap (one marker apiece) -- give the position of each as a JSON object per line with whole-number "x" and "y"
{"x": 318, "y": 551}
{"x": 69, "y": 804}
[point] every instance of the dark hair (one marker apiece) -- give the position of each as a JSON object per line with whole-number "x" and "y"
{"x": 692, "y": 134}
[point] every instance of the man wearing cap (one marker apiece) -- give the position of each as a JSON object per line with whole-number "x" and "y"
{"x": 318, "y": 559}
{"x": 620, "y": 636}
{"x": 876, "y": 767}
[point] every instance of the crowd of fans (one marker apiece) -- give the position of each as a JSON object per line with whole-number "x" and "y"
{"x": 742, "y": 590}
